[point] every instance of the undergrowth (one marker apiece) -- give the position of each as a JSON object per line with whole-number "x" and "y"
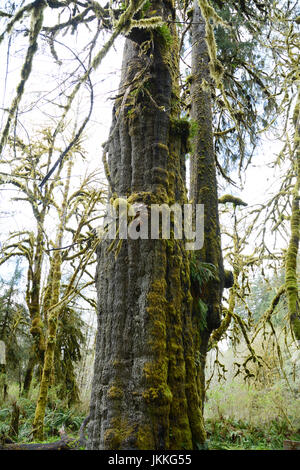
{"x": 228, "y": 434}
{"x": 237, "y": 416}
{"x": 58, "y": 415}
{"x": 241, "y": 416}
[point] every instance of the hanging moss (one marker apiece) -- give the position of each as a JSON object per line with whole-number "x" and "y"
{"x": 35, "y": 28}
{"x": 215, "y": 66}
{"x": 180, "y": 127}
{"x": 115, "y": 393}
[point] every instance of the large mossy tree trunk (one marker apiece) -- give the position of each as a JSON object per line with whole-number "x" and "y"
{"x": 145, "y": 392}
{"x": 203, "y": 189}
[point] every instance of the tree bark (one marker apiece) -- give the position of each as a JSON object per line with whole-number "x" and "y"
{"x": 145, "y": 393}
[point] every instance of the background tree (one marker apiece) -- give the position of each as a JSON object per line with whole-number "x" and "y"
{"x": 14, "y": 330}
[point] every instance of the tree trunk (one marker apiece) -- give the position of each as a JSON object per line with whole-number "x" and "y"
{"x": 52, "y": 317}
{"x": 14, "y": 422}
{"x": 65, "y": 443}
{"x": 203, "y": 184}
{"x": 291, "y": 277}
{"x": 3, "y": 382}
{"x": 29, "y": 372}
{"x": 145, "y": 393}
{"x": 3, "y": 377}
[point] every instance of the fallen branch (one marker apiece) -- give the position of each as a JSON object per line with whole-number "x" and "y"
{"x": 65, "y": 443}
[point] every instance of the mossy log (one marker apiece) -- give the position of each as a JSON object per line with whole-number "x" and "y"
{"x": 65, "y": 443}
{"x": 62, "y": 444}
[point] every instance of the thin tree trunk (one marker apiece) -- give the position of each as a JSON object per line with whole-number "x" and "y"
{"x": 291, "y": 278}
{"x": 3, "y": 383}
{"x": 14, "y": 422}
{"x": 34, "y": 290}
{"x": 29, "y": 372}
{"x": 3, "y": 337}
{"x": 203, "y": 184}
{"x": 7, "y": 310}
{"x": 52, "y": 319}
{"x": 145, "y": 392}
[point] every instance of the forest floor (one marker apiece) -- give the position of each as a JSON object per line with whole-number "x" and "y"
{"x": 223, "y": 434}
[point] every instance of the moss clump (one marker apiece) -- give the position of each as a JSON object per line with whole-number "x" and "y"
{"x": 163, "y": 146}
{"x": 37, "y": 326}
{"x": 165, "y": 35}
{"x": 37, "y": 331}
{"x": 186, "y": 129}
{"x": 158, "y": 196}
{"x": 161, "y": 395}
{"x": 160, "y": 176}
{"x": 215, "y": 66}
{"x": 112, "y": 439}
{"x": 115, "y": 393}
{"x": 234, "y": 200}
{"x": 180, "y": 127}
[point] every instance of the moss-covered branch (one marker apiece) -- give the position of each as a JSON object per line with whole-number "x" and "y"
{"x": 291, "y": 281}
{"x": 234, "y": 200}
{"x": 36, "y": 24}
